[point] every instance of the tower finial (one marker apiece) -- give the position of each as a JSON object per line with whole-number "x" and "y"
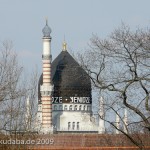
{"x": 46, "y": 20}
{"x": 46, "y": 30}
{"x": 64, "y": 45}
{"x": 64, "y": 38}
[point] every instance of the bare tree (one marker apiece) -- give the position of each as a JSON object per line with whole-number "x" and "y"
{"x": 119, "y": 67}
{"x": 15, "y": 88}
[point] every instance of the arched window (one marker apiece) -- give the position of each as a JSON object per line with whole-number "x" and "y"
{"x": 80, "y": 107}
{"x": 70, "y": 107}
{"x": 75, "y": 107}
{"x": 69, "y": 125}
{"x": 88, "y": 108}
{"x": 84, "y": 108}
{"x": 60, "y": 107}
{"x": 77, "y": 125}
{"x": 73, "y": 125}
{"x": 65, "y": 107}
{"x": 55, "y": 107}
{"x": 40, "y": 108}
{"x": 48, "y": 93}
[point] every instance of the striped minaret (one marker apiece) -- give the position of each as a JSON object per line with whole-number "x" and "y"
{"x": 47, "y": 87}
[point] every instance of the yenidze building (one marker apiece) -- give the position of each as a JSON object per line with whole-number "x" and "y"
{"x": 64, "y": 94}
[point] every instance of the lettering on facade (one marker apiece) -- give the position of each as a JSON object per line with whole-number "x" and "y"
{"x": 59, "y": 100}
{"x": 56, "y": 99}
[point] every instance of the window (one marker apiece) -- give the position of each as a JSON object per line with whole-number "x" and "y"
{"x": 88, "y": 108}
{"x": 77, "y": 125}
{"x": 60, "y": 107}
{"x": 75, "y": 107}
{"x": 73, "y": 125}
{"x": 80, "y": 107}
{"x": 69, "y": 125}
{"x": 40, "y": 108}
{"x": 70, "y": 107}
{"x": 84, "y": 107}
{"x": 55, "y": 107}
{"x": 65, "y": 107}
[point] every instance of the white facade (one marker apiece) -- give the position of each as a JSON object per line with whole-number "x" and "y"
{"x": 71, "y": 118}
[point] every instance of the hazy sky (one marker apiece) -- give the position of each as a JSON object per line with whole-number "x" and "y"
{"x": 22, "y": 21}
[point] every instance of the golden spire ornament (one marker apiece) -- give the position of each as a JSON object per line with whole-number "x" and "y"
{"x": 64, "y": 46}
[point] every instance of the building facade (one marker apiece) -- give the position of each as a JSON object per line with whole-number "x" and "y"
{"x": 64, "y": 93}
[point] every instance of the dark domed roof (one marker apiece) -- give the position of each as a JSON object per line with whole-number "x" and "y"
{"x": 69, "y": 78}
{"x": 66, "y": 72}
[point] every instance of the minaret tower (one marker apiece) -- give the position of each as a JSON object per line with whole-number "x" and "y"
{"x": 117, "y": 123}
{"x": 125, "y": 121}
{"x": 27, "y": 115}
{"x": 101, "y": 113}
{"x": 46, "y": 88}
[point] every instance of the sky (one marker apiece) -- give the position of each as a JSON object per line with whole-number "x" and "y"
{"x": 21, "y": 21}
